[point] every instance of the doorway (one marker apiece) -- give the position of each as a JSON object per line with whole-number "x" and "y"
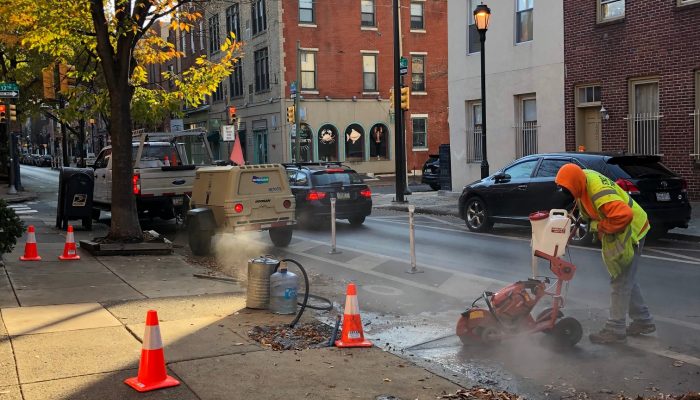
{"x": 260, "y": 146}
{"x": 592, "y": 129}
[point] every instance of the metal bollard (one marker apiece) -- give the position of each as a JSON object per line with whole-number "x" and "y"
{"x": 412, "y": 240}
{"x": 333, "y": 249}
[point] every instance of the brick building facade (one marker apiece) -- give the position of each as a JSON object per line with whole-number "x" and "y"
{"x": 633, "y": 80}
{"x": 351, "y": 64}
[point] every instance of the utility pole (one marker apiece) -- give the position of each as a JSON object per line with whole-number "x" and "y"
{"x": 297, "y": 128}
{"x": 400, "y": 136}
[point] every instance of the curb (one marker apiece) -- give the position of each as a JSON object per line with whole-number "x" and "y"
{"x": 419, "y": 210}
{"x": 682, "y": 237}
{"x": 19, "y": 199}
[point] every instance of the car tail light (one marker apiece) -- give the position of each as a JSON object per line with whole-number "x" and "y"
{"x": 315, "y": 195}
{"x": 136, "y": 183}
{"x": 627, "y": 186}
{"x": 684, "y": 186}
{"x": 238, "y": 208}
{"x": 287, "y": 204}
{"x": 366, "y": 193}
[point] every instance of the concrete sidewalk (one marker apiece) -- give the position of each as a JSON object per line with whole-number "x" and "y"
{"x": 446, "y": 203}
{"x": 17, "y": 197}
{"x": 72, "y": 330}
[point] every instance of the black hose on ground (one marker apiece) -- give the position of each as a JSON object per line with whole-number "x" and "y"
{"x": 304, "y": 304}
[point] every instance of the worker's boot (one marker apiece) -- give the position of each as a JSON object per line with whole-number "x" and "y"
{"x": 606, "y": 336}
{"x": 640, "y": 328}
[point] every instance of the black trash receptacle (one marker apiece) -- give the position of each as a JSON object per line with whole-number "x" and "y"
{"x": 445, "y": 168}
{"x": 75, "y": 187}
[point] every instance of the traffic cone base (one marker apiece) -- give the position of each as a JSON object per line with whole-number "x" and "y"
{"x": 352, "y": 334}
{"x": 30, "y": 250}
{"x": 70, "y": 252}
{"x": 152, "y": 374}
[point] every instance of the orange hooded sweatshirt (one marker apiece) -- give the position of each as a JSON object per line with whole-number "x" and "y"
{"x": 616, "y": 214}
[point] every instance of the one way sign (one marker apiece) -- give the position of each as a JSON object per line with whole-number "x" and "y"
{"x": 9, "y": 94}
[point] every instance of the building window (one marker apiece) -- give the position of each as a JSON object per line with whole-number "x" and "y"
{"x": 218, "y": 95}
{"x": 354, "y": 143}
{"x": 523, "y": 21}
{"x": 214, "y": 38}
{"x": 262, "y": 71}
{"x": 420, "y": 132}
{"x": 183, "y": 42}
{"x": 308, "y": 70}
{"x": 417, "y": 21}
{"x": 306, "y": 11}
{"x": 473, "y": 43}
{"x": 258, "y": 16}
{"x": 233, "y": 20}
{"x": 474, "y": 137}
{"x": 379, "y": 142}
{"x": 643, "y": 120}
{"x": 328, "y": 143}
{"x": 609, "y": 10}
{"x": 235, "y": 81}
{"x": 588, "y": 96}
{"x": 369, "y": 72}
{"x": 201, "y": 36}
{"x": 367, "y": 10}
{"x": 526, "y": 127}
{"x": 418, "y": 73}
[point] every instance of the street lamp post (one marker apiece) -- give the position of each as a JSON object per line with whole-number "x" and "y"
{"x": 92, "y": 135}
{"x": 482, "y": 15}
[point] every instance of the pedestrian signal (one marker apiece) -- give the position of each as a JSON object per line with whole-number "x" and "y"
{"x": 290, "y": 114}
{"x": 405, "y": 96}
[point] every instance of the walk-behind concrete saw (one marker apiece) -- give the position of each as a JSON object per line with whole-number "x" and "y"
{"x": 508, "y": 312}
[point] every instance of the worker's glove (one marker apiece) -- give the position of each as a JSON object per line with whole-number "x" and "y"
{"x": 593, "y": 227}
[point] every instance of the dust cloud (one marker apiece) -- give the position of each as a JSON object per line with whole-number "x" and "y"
{"x": 232, "y": 252}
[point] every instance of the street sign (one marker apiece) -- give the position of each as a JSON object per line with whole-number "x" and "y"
{"x": 9, "y": 94}
{"x": 9, "y": 87}
{"x": 293, "y": 87}
{"x": 228, "y": 133}
{"x": 403, "y": 65}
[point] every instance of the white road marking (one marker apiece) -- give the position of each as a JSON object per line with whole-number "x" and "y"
{"x": 383, "y": 290}
{"x": 668, "y": 253}
{"x": 653, "y": 346}
{"x": 21, "y": 212}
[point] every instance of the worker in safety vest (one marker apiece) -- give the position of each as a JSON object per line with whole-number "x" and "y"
{"x": 621, "y": 225}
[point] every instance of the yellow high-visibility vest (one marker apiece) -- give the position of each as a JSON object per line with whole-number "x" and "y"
{"x": 618, "y": 248}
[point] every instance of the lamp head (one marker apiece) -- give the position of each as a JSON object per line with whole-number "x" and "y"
{"x": 482, "y": 14}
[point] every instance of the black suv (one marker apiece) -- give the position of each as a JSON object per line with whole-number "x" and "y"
{"x": 431, "y": 172}
{"x": 527, "y": 185}
{"x": 313, "y": 186}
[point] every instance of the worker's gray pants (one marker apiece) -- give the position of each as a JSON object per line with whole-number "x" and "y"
{"x": 626, "y": 296}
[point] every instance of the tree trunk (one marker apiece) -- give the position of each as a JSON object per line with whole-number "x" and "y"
{"x": 125, "y": 222}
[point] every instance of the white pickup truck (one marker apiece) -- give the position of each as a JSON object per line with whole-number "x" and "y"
{"x": 163, "y": 174}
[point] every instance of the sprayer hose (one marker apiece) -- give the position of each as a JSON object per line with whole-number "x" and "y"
{"x": 304, "y": 302}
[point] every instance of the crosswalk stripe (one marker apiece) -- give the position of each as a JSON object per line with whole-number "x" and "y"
{"x": 26, "y": 212}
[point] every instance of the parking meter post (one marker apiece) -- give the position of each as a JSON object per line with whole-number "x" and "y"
{"x": 412, "y": 239}
{"x": 333, "y": 249}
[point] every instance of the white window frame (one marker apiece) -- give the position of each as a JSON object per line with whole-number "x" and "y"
{"x": 682, "y": 3}
{"x": 601, "y": 16}
{"x": 312, "y": 52}
{"x": 473, "y": 134}
{"x": 424, "y": 56}
{"x": 518, "y": 11}
{"x": 526, "y": 133}
{"x": 646, "y": 122}
{"x": 696, "y": 119}
{"x": 423, "y": 117}
{"x": 420, "y": 3}
{"x": 470, "y": 23}
{"x": 580, "y": 102}
{"x": 313, "y": 13}
{"x": 375, "y": 55}
{"x": 374, "y": 14}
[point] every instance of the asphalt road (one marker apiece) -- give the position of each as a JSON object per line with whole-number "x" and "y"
{"x": 401, "y": 311}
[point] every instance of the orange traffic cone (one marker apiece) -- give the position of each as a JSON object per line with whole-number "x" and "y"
{"x": 152, "y": 374}
{"x": 166, "y": 161}
{"x": 69, "y": 250}
{"x": 352, "y": 335}
{"x": 30, "y": 251}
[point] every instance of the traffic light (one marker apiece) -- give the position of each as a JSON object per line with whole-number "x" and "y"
{"x": 290, "y": 114}
{"x": 231, "y": 115}
{"x": 3, "y": 113}
{"x": 391, "y": 96}
{"x": 405, "y": 95}
{"x": 13, "y": 112}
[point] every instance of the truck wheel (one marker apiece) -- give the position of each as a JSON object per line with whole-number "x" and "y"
{"x": 87, "y": 224}
{"x": 281, "y": 237}
{"x": 96, "y": 214}
{"x": 357, "y": 221}
{"x": 200, "y": 242}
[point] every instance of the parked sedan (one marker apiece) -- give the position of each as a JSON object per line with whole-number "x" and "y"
{"x": 313, "y": 186}
{"x": 527, "y": 185}
{"x": 431, "y": 172}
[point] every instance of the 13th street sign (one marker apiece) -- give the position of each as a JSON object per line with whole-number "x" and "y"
{"x": 403, "y": 65}
{"x": 9, "y": 90}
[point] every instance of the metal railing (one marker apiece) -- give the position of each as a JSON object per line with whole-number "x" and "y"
{"x": 525, "y": 138}
{"x": 643, "y": 133}
{"x": 474, "y": 141}
{"x": 696, "y": 135}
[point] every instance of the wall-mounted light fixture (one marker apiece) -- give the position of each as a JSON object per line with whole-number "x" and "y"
{"x": 354, "y": 98}
{"x": 604, "y": 114}
{"x": 328, "y": 98}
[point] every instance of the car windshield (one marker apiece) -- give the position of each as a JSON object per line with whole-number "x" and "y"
{"x": 154, "y": 156}
{"x": 324, "y": 178}
{"x": 639, "y": 168}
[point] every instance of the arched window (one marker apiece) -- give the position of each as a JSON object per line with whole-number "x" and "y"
{"x": 379, "y": 142}
{"x": 354, "y": 143}
{"x": 306, "y": 143}
{"x": 328, "y": 143}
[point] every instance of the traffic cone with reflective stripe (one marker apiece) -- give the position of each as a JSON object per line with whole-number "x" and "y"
{"x": 30, "y": 251}
{"x": 352, "y": 334}
{"x": 70, "y": 252}
{"x": 152, "y": 374}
